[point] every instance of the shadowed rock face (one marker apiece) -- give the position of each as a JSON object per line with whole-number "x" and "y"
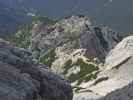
{"x": 23, "y": 79}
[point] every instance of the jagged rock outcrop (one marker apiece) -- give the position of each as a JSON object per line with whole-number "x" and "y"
{"x": 74, "y": 32}
{"x": 23, "y": 79}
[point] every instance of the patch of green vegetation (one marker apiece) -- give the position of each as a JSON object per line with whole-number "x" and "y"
{"x": 48, "y": 58}
{"x": 67, "y": 66}
{"x": 88, "y": 71}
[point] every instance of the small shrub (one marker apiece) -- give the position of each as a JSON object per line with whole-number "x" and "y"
{"x": 48, "y": 58}
{"x": 88, "y": 71}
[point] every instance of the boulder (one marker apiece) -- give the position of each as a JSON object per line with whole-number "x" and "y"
{"x": 23, "y": 79}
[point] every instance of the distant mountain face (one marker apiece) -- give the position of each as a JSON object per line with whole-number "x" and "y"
{"x": 117, "y": 13}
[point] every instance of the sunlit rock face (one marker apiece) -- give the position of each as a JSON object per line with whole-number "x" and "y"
{"x": 23, "y": 79}
{"x": 122, "y": 52}
{"x": 120, "y": 58}
{"x": 115, "y": 80}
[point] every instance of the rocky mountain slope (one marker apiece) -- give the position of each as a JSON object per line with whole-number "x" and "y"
{"x": 23, "y": 79}
{"x": 74, "y": 48}
{"x": 74, "y": 32}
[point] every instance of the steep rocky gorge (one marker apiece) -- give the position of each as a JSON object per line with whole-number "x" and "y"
{"x": 86, "y": 54}
{"x": 72, "y": 47}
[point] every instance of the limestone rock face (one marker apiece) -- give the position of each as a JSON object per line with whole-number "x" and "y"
{"x": 122, "y": 52}
{"x": 115, "y": 80}
{"x": 23, "y": 79}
